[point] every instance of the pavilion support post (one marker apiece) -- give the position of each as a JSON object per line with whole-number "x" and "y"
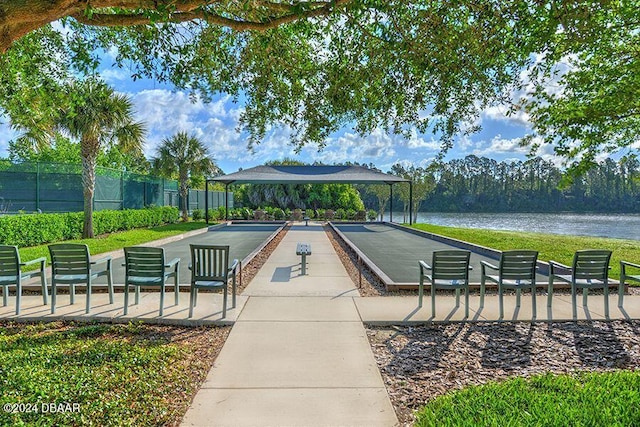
{"x": 226, "y": 202}
{"x": 206, "y": 201}
{"x": 410, "y": 202}
{"x": 390, "y": 202}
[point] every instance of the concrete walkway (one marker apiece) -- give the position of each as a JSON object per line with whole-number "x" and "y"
{"x": 298, "y": 353}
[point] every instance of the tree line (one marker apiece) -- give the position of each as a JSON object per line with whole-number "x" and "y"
{"x": 480, "y": 184}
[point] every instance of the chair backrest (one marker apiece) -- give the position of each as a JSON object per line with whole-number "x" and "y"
{"x": 9, "y": 260}
{"x": 209, "y": 262}
{"x": 591, "y": 264}
{"x": 143, "y": 261}
{"x": 518, "y": 265}
{"x": 450, "y": 265}
{"x": 69, "y": 259}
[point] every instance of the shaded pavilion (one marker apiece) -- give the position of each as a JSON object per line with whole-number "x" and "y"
{"x": 311, "y": 174}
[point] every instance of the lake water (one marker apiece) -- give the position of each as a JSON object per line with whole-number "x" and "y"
{"x": 618, "y": 226}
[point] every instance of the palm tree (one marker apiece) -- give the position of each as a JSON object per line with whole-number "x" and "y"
{"x": 186, "y": 157}
{"x": 99, "y": 117}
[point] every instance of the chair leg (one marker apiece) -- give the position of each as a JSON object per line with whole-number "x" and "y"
{"x": 45, "y": 291}
{"x": 53, "y": 296}
{"x": 18, "y": 295}
{"x": 518, "y": 297}
{"x": 433, "y": 300}
{"x": 482, "y": 290}
{"x": 176, "y": 290}
{"x": 110, "y": 286}
{"x": 620, "y": 292}
{"x": 550, "y": 291}
{"x": 574, "y": 301}
{"x": 466, "y": 303}
{"x": 458, "y": 297}
{"x": 501, "y": 301}
{"x": 5, "y": 301}
{"x": 126, "y": 299}
{"x": 88, "y": 309}
{"x": 585, "y": 292}
{"x": 191, "y": 300}
{"x": 161, "y": 299}
{"x": 72, "y": 293}
{"x": 195, "y": 298}
{"x": 606, "y": 300}
{"x": 533, "y": 302}
{"x": 224, "y": 303}
{"x": 420, "y": 290}
{"x": 137, "y": 291}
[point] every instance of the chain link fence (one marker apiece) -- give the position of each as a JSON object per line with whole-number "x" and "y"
{"x": 57, "y": 187}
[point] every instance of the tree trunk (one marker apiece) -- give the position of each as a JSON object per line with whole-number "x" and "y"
{"x": 184, "y": 193}
{"x": 89, "y": 160}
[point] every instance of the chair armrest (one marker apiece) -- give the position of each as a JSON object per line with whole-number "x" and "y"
{"x": 623, "y": 268}
{"x": 106, "y": 259}
{"x": 423, "y": 266}
{"x": 174, "y": 262}
{"x": 41, "y": 260}
{"x": 234, "y": 265}
{"x": 483, "y": 267}
{"x": 630, "y": 264}
{"x": 488, "y": 264}
{"x": 554, "y": 264}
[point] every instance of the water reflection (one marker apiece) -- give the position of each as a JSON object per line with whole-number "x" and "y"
{"x": 619, "y": 226}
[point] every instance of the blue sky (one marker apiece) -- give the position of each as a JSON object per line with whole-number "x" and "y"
{"x": 167, "y": 111}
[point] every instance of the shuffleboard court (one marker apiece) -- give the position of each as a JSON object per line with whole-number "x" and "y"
{"x": 243, "y": 240}
{"x": 396, "y": 252}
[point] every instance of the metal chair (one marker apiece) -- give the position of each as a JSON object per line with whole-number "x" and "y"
{"x": 450, "y": 270}
{"x": 516, "y": 270}
{"x": 11, "y": 274}
{"x": 145, "y": 266}
{"x": 210, "y": 270}
{"x": 71, "y": 265}
{"x": 589, "y": 270}
{"x": 624, "y": 276}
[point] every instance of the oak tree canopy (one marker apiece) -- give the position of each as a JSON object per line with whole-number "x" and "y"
{"x": 316, "y": 66}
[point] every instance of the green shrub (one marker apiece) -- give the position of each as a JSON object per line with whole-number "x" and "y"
{"x": 341, "y": 213}
{"x": 372, "y": 215}
{"x": 36, "y": 229}
{"x": 197, "y": 214}
{"x": 351, "y": 214}
{"x": 310, "y": 213}
{"x": 278, "y": 214}
{"x": 321, "y": 214}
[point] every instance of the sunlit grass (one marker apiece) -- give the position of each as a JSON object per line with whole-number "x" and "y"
{"x": 550, "y": 246}
{"x": 585, "y": 399}
{"x": 116, "y": 375}
{"x": 118, "y": 240}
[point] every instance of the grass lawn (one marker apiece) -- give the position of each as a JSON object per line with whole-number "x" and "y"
{"x": 116, "y": 375}
{"x": 585, "y": 399}
{"x": 115, "y": 241}
{"x": 551, "y": 246}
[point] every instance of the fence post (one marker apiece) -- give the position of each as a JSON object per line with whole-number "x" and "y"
{"x": 37, "y": 186}
{"x": 122, "y": 189}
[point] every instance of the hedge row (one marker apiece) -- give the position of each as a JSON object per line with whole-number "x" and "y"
{"x": 37, "y": 229}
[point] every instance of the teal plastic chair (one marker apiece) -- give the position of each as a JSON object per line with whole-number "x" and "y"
{"x": 449, "y": 270}
{"x": 71, "y": 265}
{"x": 516, "y": 270}
{"x": 145, "y": 266}
{"x": 210, "y": 269}
{"x": 589, "y": 270}
{"x": 11, "y": 274}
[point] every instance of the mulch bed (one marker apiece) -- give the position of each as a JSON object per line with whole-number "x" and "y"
{"x": 420, "y": 363}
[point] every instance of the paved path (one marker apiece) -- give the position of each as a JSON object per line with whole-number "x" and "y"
{"x": 298, "y": 353}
